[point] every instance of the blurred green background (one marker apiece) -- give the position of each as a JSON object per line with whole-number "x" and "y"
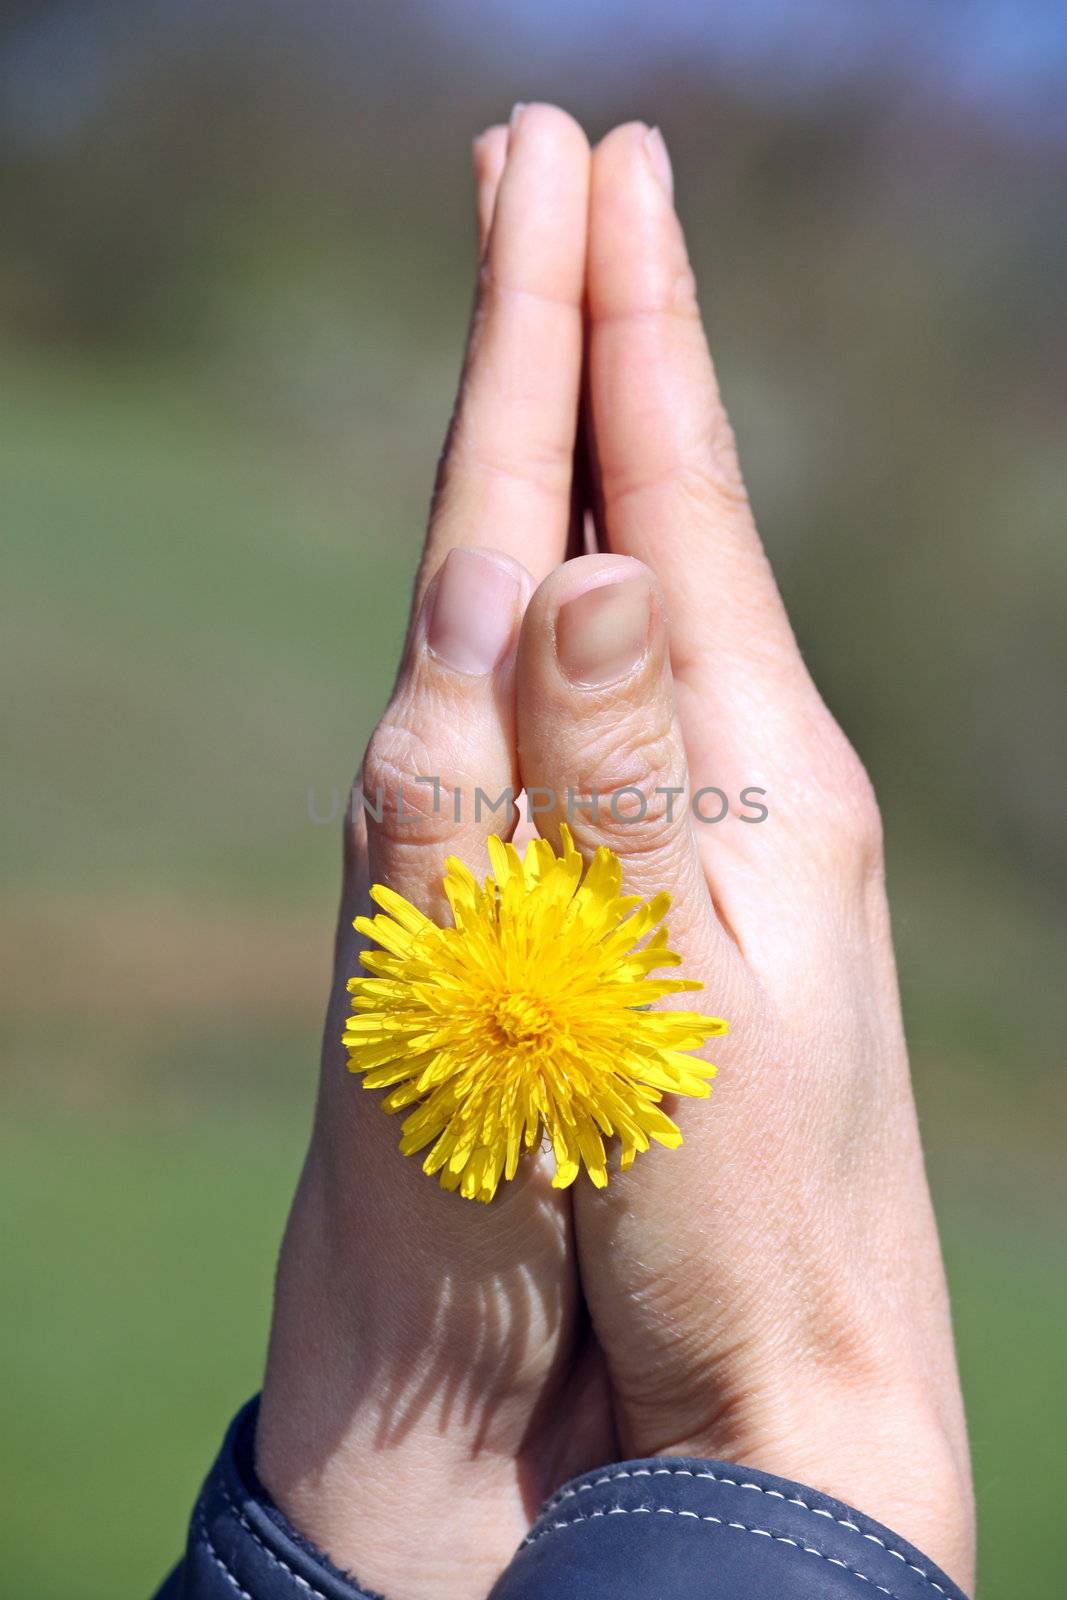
{"x": 234, "y": 274}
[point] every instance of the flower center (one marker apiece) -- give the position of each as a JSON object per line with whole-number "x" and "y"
{"x": 522, "y": 1018}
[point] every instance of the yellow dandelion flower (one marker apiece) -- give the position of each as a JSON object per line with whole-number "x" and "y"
{"x": 531, "y": 1011}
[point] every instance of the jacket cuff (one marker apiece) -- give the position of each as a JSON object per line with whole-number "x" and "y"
{"x": 672, "y": 1527}
{"x": 240, "y": 1545}
{"x": 676, "y": 1527}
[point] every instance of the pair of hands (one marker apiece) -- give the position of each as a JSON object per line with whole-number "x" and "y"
{"x": 771, "y": 1293}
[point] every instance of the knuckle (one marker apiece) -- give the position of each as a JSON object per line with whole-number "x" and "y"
{"x": 540, "y": 463}
{"x": 632, "y": 752}
{"x": 867, "y": 815}
{"x": 863, "y": 817}
{"x": 717, "y": 477}
{"x": 637, "y": 774}
{"x": 679, "y": 296}
{"x": 848, "y": 803}
{"x": 401, "y": 787}
{"x": 705, "y": 473}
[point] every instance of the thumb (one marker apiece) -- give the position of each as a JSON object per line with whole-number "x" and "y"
{"x": 600, "y": 748}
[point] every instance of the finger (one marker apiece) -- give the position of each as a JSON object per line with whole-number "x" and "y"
{"x": 505, "y": 478}
{"x": 439, "y": 776}
{"x": 489, "y": 153}
{"x": 669, "y": 480}
{"x": 443, "y": 753}
{"x": 600, "y": 747}
{"x": 672, "y": 494}
{"x": 595, "y": 712}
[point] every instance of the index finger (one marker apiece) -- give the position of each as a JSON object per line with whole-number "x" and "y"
{"x": 670, "y": 486}
{"x": 505, "y": 477}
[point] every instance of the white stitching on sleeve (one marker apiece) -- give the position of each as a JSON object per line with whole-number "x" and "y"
{"x": 200, "y": 1521}
{"x": 735, "y": 1483}
{"x": 670, "y": 1511}
{"x": 235, "y": 1511}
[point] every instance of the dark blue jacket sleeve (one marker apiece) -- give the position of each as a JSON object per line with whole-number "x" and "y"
{"x": 666, "y": 1529}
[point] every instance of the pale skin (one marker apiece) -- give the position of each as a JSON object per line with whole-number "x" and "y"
{"x": 771, "y": 1293}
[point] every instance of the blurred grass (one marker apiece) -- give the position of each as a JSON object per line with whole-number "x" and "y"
{"x": 1007, "y": 1265}
{"x": 135, "y": 1338}
{"x": 162, "y": 569}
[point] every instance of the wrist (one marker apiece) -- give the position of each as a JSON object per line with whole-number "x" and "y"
{"x": 355, "y": 1428}
{"x": 412, "y": 1421}
{"x": 883, "y": 1448}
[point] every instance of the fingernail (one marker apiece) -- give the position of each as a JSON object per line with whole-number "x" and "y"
{"x": 602, "y": 634}
{"x": 472, "y": 616}
{"x": 659, "y": 160}
{"x": 516, "y": 115}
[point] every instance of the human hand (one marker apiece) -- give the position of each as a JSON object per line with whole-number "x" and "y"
{"x": 428, "y": 1354}
{"x": 773, "y": 1292}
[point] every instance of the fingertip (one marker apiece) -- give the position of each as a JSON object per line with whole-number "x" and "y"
{"x": 659, "y": 159}
{"x": 597, "y": 617}
{"x": 602, "y": 634}
{"x": 620, "y": 139}
{"x": 540, "y": 221}
{"x": 489, "y": 151}
{"x": 633, "y": 153}
{"x": 506, "y": 478}
{"x": 550, "y": 125}
{"x": 638, "y": 260}
{"x": 581, "y": 573}
{"x": 503, "y": 559}
{"x": 524, "y": 579}
{"x": 489, "y": 154}
{"x": 473, "y": 608}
